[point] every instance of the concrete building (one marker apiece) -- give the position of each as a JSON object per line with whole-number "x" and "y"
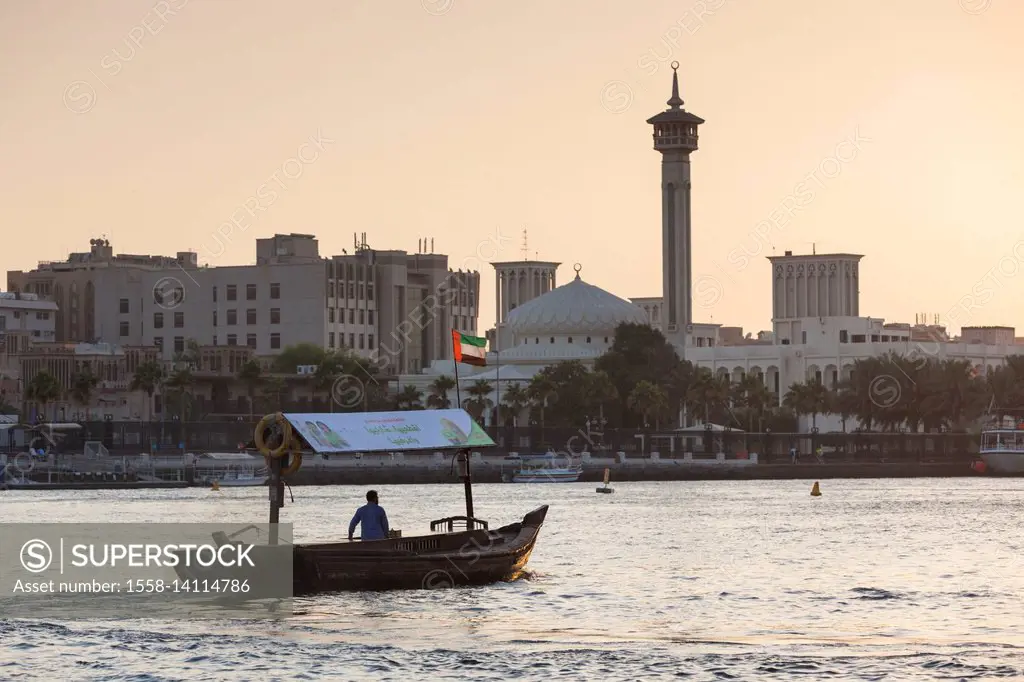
{"x": 990, "y": 336}
{"x": 392, "y": 305}
{"x": 114, "y": 366}
{"x": 517, "y": 283}
{"x": 25, "y": 319}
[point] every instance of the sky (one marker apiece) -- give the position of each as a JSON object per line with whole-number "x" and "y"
{"x": 155, "y": 123}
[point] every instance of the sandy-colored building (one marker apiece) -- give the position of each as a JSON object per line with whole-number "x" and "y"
{"x": 395, "y": 306}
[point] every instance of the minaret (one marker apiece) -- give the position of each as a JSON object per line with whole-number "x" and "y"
{"x": 675, "y": 136}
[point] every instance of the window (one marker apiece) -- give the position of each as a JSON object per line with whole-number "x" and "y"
{"x": 275, "y": 340}
{"x": 330, "y": 315}
{"x": 215, "y": 294}
{"x": 874, "y": 338}
{"x": 275, "y": 316}
{"x": 232, "y": 292}
{"x": 275, "y": 290}
{"x": 803, "y": 337}
{"x": 362, "y": 317}
{"x": 570, "y": 339}
{"x": 232, "y": 339}
{"x": 125, "y": 308}
{"x": 250, "y": 292}
{"x": 330, "y": 288}
{"x": 250, "y": 316}
{"x": 232, "y": 317}
{"x": 215, "y": 339}
{"x": 588, "y": 339}
{"x": 179, "y": 344}
{"x": 330, "y": 339}
{"x": 369, "y": 341}
{"x": 42, "y": 316}
{"x": 351, "y": 289}
{"x": 835, "y": 377}
{"x": 369, "y": 316}
{"x": 158, "y": 320}
{"x": 351, "y": 340}
{"x": 369, "y": 291}
{"x": 362, "y": 291}
{"x": 250, "y": 340}
{"x": 125, "y": 329}
{"x": 858, "y": 338}
{"x": 817, "y": 376}
{"x": 214, "y": 318}
{"x": 351, "y": 316}
{"x": 361, "y": 342}
{"x": 159, "y": 342}
{"x": 179, "y": 319}
{"x": 844, "y": 336}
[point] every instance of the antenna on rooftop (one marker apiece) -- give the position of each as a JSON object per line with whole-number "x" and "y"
{"x": 526, "y": 249}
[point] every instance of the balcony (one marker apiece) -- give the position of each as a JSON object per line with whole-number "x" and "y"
{"x": 675, "y": 142}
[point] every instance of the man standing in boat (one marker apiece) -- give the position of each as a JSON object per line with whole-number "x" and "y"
{"x": 373, "y": 519}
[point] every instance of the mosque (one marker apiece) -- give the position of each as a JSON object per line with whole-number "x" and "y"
{"x": 817, "y": 333}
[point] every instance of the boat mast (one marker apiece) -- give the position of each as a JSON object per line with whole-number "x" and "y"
{"x": 467, "y": 483}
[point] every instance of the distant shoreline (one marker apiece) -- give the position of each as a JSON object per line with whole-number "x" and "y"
{"x": 664, "y": 471}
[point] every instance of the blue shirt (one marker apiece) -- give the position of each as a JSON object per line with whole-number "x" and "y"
{"x": 374, "y": 520}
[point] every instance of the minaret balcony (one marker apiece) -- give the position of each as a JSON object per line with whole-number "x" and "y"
{"x": 675, "y": 142}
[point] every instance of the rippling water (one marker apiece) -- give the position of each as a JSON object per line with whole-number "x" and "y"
{"x": 905, "y": 580}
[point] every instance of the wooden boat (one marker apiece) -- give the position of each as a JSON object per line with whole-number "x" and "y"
{"x": 549, "y": 468}
{"x": 461, "y": 550}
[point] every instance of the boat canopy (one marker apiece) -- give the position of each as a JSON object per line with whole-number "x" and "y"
{"x": 226, "y": 456}
{"x": 351, "y": 432}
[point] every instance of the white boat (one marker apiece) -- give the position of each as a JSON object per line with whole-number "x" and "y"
{"x": 230, "y": 469}
{"x": 549, "y": 468}
{"x": 1002, "y": 449}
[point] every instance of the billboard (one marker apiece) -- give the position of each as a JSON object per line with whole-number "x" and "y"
{"x": 388, "y": 431}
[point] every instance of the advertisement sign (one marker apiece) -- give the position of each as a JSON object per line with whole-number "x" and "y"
{"x": 385, "y": 431}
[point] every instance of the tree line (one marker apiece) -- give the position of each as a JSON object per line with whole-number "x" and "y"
{"x": 640, "y": 382}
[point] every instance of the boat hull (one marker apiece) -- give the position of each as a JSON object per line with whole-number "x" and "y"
{"x": 235, "y": 482}
{"x": 1004, "y": 462}
{"x": 476, "y": 557}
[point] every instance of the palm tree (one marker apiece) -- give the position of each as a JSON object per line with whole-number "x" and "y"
{"x": 810, "y": 397}
{"x": 515, "y": 399}
{"x": 754, "y": 397}
{"x": 43, "y": 388}
{"x": 708, "y": 395}
{"x": 648, "y": 399}
{"x": 437, "y": 399}
{"x": 148, "y": 377}
{"x": 179, "y": 384}
{"x": 599, "y": 390}
{"x": 541, "y": 391}
{"x": 409, "y": 398}
{"x": 83, "y": 381}
{"x": 479, "y": 401}
{"x": 251, "y": 374}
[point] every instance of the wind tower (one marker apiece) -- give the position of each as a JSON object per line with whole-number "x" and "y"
{"x": 675, "y": 136}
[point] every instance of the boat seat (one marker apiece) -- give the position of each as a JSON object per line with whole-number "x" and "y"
{"x": 468, "y": 523}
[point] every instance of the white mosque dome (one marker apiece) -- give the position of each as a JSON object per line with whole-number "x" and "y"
{"x": 574, "y": 308}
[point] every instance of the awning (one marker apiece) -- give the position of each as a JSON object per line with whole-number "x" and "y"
{"x": 351, "y": 432}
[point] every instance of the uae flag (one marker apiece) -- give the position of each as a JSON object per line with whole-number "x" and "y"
{"x": 472, "y": 350}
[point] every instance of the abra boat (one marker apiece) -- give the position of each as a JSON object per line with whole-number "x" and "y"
{"x": 549, "y": 468}
{"x": 1002, "y": 447}
{"x": 461, "y": 550}
{"x": 230, "y": 469}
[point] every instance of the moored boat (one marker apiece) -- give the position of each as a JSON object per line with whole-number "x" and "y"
{"x": 549, "y": 468}
{"x": 1002, "y": 448}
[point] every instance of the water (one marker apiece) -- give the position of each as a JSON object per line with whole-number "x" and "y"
{"x": 882, "y": 579}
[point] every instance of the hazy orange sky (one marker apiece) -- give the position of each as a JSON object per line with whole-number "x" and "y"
{"x": 152, "y": 123}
